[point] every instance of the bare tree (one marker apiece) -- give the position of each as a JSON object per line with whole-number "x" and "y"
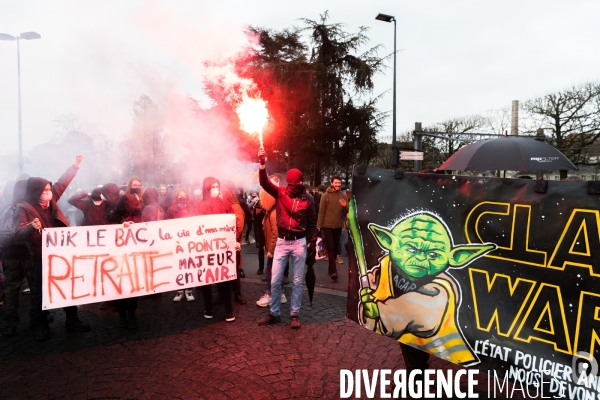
{"x": 572, "y": 117}
{"x": 437, "y": 150}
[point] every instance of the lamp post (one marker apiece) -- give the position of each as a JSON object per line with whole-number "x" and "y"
{"x": 389, "y": 18}
{"x": 26, "y": 36}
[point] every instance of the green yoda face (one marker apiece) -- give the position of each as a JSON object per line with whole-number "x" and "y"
{"x": 420, "y": 245}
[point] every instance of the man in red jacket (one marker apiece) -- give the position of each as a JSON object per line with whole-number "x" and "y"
{"x": 297, "y": 230}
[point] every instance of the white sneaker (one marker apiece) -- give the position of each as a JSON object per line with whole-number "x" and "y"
{"x": 178, "y": 296}
{"x": 188, "y": 295}
{"x": 264, "y": 301}
{"x": 283, "y": 298}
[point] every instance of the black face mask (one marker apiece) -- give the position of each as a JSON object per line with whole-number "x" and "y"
{"x": 96, "y": 197}
{"x": 135, "y": 190}
{"x": 295, "y": 190}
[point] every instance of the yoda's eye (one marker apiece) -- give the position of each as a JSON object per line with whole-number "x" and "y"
{"x": 432, "y": 255}
{"x": 412, "y": 250}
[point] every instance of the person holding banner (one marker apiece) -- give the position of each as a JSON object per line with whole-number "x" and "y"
{"x": 181, "y": 209}
{"x": 128, "y": 210}
{"x": 211, "y": 203}
{"x": 38, "y": 211}
{"x": 297, "y": 230}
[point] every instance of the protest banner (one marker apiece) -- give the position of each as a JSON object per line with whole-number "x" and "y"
{"x": 488, "y": 273}
{"x": 91, "y": 264}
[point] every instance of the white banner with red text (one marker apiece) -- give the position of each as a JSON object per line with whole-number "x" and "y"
{"x": 91, "y": 264}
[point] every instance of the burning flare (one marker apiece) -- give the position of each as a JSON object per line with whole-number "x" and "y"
{"x": 253, "y": 115}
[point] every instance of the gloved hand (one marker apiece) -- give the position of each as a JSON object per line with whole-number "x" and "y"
{"x": 371, "y": 309}
{"x": 262, "y": 156}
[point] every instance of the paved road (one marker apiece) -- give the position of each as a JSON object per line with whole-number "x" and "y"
{"x": 177, "y": 354}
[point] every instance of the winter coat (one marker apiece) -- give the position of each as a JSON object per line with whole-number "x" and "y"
{"x": 29, "y": 209}
{"x": 16, "y": 251}
{"x": 240, "y": 217}
{"x": 331, "y": 212}
{"x": 92, "y": 214}
{"x": 152, "y": 211}
{"x": 295, "y": 214}
{"x": 209, "y": 205}
{"x": 267, "y": 203}
{"x": 128, "y": 208}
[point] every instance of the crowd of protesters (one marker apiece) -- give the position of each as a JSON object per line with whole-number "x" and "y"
{"x": 284, "y": 220}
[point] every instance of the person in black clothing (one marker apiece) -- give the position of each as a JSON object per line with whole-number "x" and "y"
{"x": 92, "y": 206}
{"x": 128, "y": 210}
{"x": 152, "y": 211}
{"x": 40, "y": 210}
{"x": 17, "y": 265}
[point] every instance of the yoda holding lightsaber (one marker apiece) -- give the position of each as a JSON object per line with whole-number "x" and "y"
{"x": 409, "y": 296}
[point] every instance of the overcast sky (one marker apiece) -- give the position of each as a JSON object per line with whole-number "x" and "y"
{"x": 457, "y": 57}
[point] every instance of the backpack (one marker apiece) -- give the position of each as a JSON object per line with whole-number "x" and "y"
{"x": 7, "y": 226}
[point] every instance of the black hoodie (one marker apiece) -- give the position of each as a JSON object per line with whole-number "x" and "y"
{"x": 29, "y": 209}
{"x": 17, "y": 251}
{"x": 152, "y": 211}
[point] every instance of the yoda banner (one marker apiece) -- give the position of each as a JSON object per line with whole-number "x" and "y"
{"x": 481, "y": 272}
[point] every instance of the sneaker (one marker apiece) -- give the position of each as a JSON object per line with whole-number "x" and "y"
{"x": 26, "y": 291}
{"x": 188, "y": 295}
{"x": 334, "y": 277}
{"x": 264, "y": 301}
{"x": 239, "y": 299}
{"x": 339, "y": 260}
{"x": 264, "y": 279}
{"x": 283, "y": 298}
{"x": 178, "y": 296}
{"x": 269, "y": 320}
{"x": 230, "y": 317}
{"x": 208, "y": 315}
{"x": 260, "y": 271}
{"x": 75, "y": 324}
{"x": 295, "y": 324}
{"x": 242, "y": 274}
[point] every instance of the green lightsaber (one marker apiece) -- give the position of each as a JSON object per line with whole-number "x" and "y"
{"x": 359, "y": 249}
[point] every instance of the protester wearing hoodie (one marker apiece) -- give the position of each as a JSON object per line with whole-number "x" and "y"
{"x": 296, "y": 229}
{"x": 91, "y": 205}
{"x": 212, "y": 204}
{"x": 228, "y": 194}
{"x": 333, "y": 208}
{"x": 17, "y": 265}
{"x": 151, "y": 211}
{"x": 128, "y": 210}
{"x": 40, "y": 210}
{"x": 181, "y": 209}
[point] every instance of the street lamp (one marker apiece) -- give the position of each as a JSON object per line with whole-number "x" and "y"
{"x": 389, "y": 18}
{"x": 26, "y": 36}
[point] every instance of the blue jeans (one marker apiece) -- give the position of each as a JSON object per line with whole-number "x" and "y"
{"x": 269, "y": 273}
{"x": 284, "y": 249}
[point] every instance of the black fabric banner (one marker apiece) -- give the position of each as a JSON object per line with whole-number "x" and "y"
{"x": 482, "y": 272}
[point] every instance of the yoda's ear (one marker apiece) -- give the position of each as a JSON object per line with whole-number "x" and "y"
{"x": 384, "y": 237}
{"x": 464, "y": 254}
